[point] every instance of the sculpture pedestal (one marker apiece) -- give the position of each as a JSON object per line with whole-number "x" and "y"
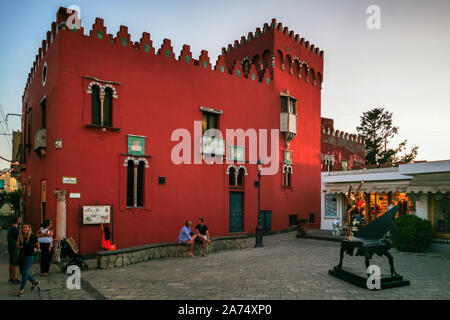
{"x": 357, "y": 280}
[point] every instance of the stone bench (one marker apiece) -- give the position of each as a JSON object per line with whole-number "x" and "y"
{"x": 132, "y": 255}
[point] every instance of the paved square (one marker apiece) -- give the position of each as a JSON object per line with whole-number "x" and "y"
{"x": 286, "y": 268}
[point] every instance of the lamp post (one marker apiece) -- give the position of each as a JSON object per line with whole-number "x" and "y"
{"x": 259, "y": 228}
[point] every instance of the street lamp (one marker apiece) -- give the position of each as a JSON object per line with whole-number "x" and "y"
{"x": 259, "y": 228}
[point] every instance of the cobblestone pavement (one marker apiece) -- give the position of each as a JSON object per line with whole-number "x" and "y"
{"x": 286, "y": 268}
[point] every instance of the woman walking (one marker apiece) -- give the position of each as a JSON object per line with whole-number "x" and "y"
{"x": 45, "y": 239}
{"x": 26, "y": 242}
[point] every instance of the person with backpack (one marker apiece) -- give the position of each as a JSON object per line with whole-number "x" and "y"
{"x": 13, "y": 233}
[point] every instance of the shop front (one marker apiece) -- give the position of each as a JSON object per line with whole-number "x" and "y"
{"x": 422, "y": 189}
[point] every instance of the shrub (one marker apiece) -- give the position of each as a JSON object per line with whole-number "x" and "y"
{"x": 411, "y": 234}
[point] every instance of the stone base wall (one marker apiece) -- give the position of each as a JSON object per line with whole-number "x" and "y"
{"x": 123, "y": 257}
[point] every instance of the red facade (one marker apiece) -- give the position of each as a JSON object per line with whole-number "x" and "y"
{"x": 340, "y": 150}
{"x": 154, "y": 93}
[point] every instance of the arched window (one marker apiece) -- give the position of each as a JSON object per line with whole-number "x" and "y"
{"x": 95, "y": 105}
{"x": 267, "y": 59}
{"x": 256, "y": 62}
{"x": 287, "y": 171}
{"x": 140, "y": 184}
{"x": 135, "y": 181}
{"x": 296, "y": 68}
{"x": 288, "y": 64}
{"x": 130, "y": 183}
{"x": 107, "y": 108}
{"x": 304, "y": 72}
{"x": 232, "y": 177}
{"x": 246, "y": 67}
{"x": 279, "y": 63}
{"x": 240, "y": 177}
{"x": 312, "y": 76}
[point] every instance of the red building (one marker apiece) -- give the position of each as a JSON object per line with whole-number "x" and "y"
{"x": 341, "y": 150}
{"x": 99, "y": 113}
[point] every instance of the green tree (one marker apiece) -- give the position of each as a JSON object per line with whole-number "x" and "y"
{"x": 377, "y": 129}
{"x": 14, "y": 200}
{"x": 3, "y": 198}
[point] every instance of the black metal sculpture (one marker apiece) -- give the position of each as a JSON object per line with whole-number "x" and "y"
{"x": 368, "y": 241}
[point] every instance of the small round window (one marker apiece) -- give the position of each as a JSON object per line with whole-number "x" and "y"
{"x": 44, "y": 74}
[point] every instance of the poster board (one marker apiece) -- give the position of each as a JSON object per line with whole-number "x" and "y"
{"x": 96, "y": 214}
{"x": 331, "y": 206}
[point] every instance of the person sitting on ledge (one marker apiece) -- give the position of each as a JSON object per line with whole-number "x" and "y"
{"x": 202, "y": 234}
{"x": 187, "y": 237}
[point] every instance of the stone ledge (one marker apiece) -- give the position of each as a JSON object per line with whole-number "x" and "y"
{"x": 132, "y": 255}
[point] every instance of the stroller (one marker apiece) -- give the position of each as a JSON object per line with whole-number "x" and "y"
{"x": 69, "y": 249}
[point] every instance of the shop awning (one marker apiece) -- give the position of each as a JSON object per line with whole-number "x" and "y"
{"x": 384, "y": 186}
{"x": 434, "y": 183}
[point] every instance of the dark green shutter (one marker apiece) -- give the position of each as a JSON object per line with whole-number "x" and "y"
{"x": 107, "y": 108}
{"x": 95, "y": 105}
{"x": 130, "y": 184}
{"x": 140, "y": 184}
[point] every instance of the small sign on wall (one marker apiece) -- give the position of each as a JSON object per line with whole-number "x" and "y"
{"x": 58, "y": 143}
{"x": 237, "y": 153}
{"x": 288, "y": 156}
{"x": 69, "y": 180}
{"x": 75, "y": 195}
{"x": 136, "y": 145}
{"x": 96, "y": 214}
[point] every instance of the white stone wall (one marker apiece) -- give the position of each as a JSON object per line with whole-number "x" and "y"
{"x": 422, "y": 206}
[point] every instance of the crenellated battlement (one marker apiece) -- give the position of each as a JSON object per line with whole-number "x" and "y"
{"x": 342, "y": 135}
{"x": 301, "y": 42}
{"x": 277, "y": 47}
{"x": 259, "y": 68}
{"x": 328, "y": 130}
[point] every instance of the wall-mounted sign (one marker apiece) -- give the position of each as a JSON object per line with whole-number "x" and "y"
{"x": 58, "y": 143}
{"x": 136, "y": 145}
{"x": 2, "y": 184}
{"x": 237, "y": 153}
{"x": 75, "y": 195}
{"x": 69, "y": 180}
{"x": 288, "y": 156}
{"x": 96, "y": 214}
{"x": 330, "y": 206}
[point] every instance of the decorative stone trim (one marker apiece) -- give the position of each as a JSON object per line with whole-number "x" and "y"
{"x": 102, "y": 88}
{"x": 286, "y": 167}
{"x": 125, "y": 162}
{"x": 122, "y": 257}
{"x": 91, "y": 84}
{"x": 145, "y": 161}
{"x": 112, "y": 88}
{"x": 242, "y": 167}
{"x": 135, "y": 161}
{"x": 229, "y": 167}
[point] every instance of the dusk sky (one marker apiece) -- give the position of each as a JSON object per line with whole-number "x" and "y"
{"x": 403, "y": 67}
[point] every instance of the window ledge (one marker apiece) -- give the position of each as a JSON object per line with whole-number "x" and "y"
{"x": 237, "y": 188}
{"x": 103, "y": 128}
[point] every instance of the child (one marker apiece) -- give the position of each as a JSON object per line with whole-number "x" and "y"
{"x": 106, "y": 238}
